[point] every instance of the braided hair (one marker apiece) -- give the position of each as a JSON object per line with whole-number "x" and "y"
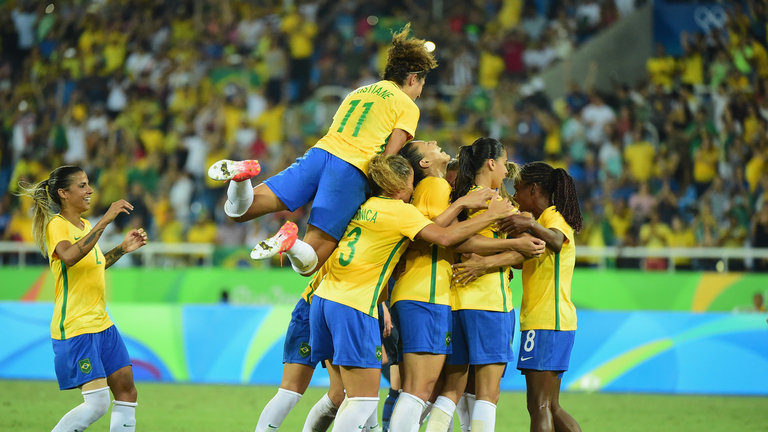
{"x": 46, "y": 199}
{"x": 559, "y": 185}
{"x": 471, "y": 160}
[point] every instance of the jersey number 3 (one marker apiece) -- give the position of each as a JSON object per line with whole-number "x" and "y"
{"x": 355, "y": 236}
{"x": 352, "y": 105}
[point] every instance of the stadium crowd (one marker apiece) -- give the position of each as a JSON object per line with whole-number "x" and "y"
{"x": 145, "y": 97}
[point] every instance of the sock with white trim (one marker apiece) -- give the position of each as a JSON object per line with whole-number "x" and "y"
{"x": 355, "y": 413}
{"x": 407, "y": 412}
{"x": 441, "y": 415}
{"x": 123, "y": 416}
{"x": 321, "y": 415}
{"x": 239, "y": 198}
{"x": 95, "y": 405}
{"x": 483, "y": 416}
{"x": 277, "y": 409}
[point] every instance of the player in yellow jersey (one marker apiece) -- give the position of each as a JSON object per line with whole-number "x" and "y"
{"x": 298, "y": 369}
{"x": 483, "y": 316}
{"x": 547, "y": 315}
{"x": 343, "y": 314}
{"x": 374, "y": 119}
{"x": 421, "y": 295}
{"x": 89, "y": 352}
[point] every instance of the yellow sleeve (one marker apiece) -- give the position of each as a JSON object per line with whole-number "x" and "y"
{"x": 432, "y": 196}
{"x": 408, "y": 118}
{"x": 555, "y": 220}
{"x": 412, "y": 221}
{"x": 56, "y": 232}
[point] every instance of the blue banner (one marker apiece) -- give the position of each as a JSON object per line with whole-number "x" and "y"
{"x": 671, "y": 18}
{"x": 659, "y": 352}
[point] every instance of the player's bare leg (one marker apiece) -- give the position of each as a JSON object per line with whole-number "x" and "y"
{"x": 539, "y": 394}
{"x": 563, "y": 421}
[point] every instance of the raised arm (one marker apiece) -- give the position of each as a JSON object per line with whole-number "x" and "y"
{"x": 133, "y": 240}
{"x": 521, "y": 223}
{"x": 526, "y": 244}
{"x": 477, "y": 199}
{"x": 447, "y": 237}
{"x": 474, "y": 265}
{"x": 70, "y": 254}
{"x": 396, "y": 141}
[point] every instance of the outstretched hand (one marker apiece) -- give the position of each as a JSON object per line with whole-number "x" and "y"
{"x": 134, "y": 239}
{"x": 117, "y": 207}
{"x": 517, "y": 223}
{"x": 478, "y": 198}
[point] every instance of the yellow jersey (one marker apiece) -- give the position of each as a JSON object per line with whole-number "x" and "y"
{"x": 365, "y": 120}
{"x": 375, "y": 239}
{"x": 309, "y": 291}
{"x": 427, "y": 275}
{"x": 80, "y": 292}
{"x": 546, "y": 303}
{"x": 489, "y": 292}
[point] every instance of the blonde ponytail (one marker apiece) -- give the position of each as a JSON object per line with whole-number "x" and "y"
{"x": 388, "y": 174}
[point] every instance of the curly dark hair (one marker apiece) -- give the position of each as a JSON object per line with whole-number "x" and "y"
{"x": 407, "y": 56}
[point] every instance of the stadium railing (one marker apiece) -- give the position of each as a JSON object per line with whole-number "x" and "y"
{"x": 722, "y": 255}
{"x": 152, "y": 254}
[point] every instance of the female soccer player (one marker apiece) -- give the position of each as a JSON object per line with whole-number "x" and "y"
{"x": 547, "y": 315}
{"x": 421, "y": 295}
{"x": 377, "y": 118}
{"x": 298, "y": 369}
{"x": 343, "y": 315}
{"x": 89, "y": 352}
{"x": 483, "y": 315}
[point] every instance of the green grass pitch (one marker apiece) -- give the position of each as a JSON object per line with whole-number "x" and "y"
{"x": 38, "y": 405}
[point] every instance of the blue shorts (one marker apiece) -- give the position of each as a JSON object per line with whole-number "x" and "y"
{"x": 424, "y": 327}
{"x": 335, "y": 187}
{"x": 344, "y": 335}
{"x": 87, "y": 357}
{"x": 296, "y": 348}
{"x": 545, "y": 350}
{"x": 482, "y": 337}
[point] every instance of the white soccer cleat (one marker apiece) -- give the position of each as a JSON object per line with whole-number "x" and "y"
{"x": 277, "y": 244}
{"x": 238, "y": 171}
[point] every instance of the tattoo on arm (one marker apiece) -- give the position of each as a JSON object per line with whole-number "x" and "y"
{"x": 112, "y": 256}
{"x": 86, "y": 244}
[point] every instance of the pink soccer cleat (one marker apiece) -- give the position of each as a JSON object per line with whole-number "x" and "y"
{"x": 277, "y": 244}
{"x": 238, "y": 171}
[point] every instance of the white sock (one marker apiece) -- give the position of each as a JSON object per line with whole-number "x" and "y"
{"x": 276, "y": 410}
{"x": 355, "y": 413}
{"x": 483, "y": 416}
{"x": 123, "y": 417}
{"x": 303, "y": 258}
{"x": 442, "y": 415}
{"x": 321, "y": 415}
{"x": 464, "y": 410}
{"x": 95, "y": 405}
{"x": 372, "y": 425}
{"x": 239, "y": 198}
{"x": 425, "y": 412}
{"x": 405, "y": 416}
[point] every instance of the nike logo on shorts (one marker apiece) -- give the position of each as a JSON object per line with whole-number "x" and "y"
{"x": 525, "y": 358}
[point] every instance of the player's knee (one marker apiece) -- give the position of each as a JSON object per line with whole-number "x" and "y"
{"x": 96, "y": 405}
{"x": 537, "y": 405}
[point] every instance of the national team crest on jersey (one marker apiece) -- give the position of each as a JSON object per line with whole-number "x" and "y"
{"x": 447, "y": 338}
{"x": 305, "y": 350}
{"x": 378, "y": 352}
{"x": 85, "y": 366}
